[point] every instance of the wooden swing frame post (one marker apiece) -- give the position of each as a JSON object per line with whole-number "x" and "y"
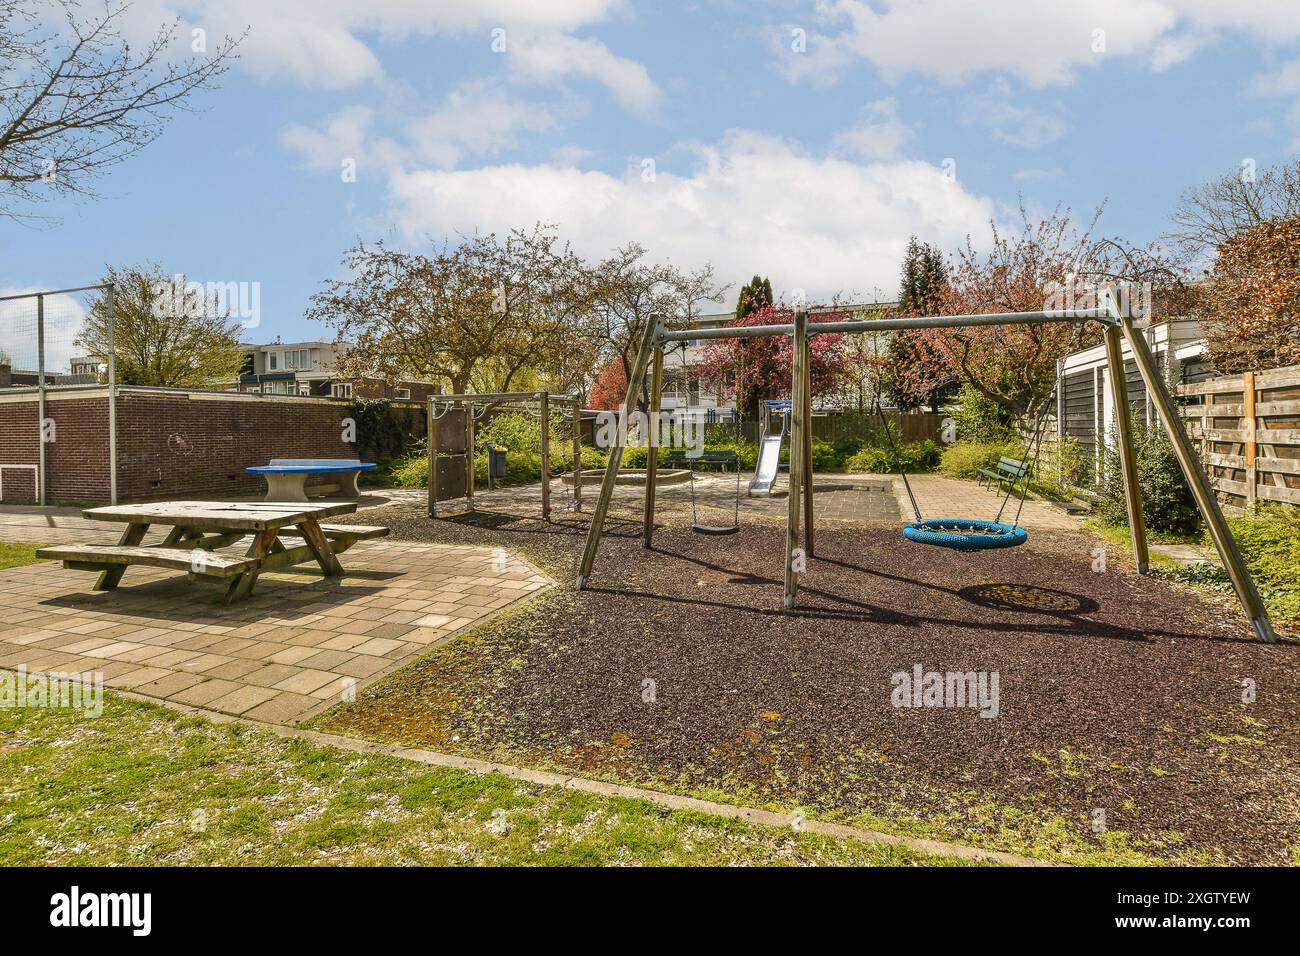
{"x": 634, "y": 383}
{"x": 652, "y": 453}
{"x": 809, "y": 529}
{"x": 1199, "y": 482}
{"x": 798, "y": 423}
{"x": 1124, "y": 438}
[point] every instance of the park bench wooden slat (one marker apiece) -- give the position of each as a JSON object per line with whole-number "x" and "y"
{"x": 178, "y": 559}
{"x": 1007, "y": 469}
{"x": 713, "y": 457}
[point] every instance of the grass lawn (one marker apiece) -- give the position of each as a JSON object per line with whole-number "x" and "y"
{"x": 142, "y": 784}
{"x": 14, "y": 554}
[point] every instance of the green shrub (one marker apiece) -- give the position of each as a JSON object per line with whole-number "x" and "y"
{"x": 521, "y": 468}
{"x": 965, "y": 458}
{"x": 1270, "y": 541}
{"x": 825, "y": 457}
{"x": 517, "y": 431}
{"x": 383, "y": 430}
{"x": 1167, "y": 502}
{"x": 915, "y": 456}
{"x": 981, "y": 420}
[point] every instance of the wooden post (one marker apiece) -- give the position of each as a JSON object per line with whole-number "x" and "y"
{"x": 1128, "y": 460}
{"x": 546, "y": 456}
{"x": 797, "y": 425}
{"x": 469, "y": 455}
{"x": 431, "y": 439}
{"x": 1250, "y": 426}
{"x": 1206, "y": 501}
{"x": 616, "y": 455}
{"x": 652, "y": 456}
{"x": 808, "y": 530}
{"x": 577, "y": 455}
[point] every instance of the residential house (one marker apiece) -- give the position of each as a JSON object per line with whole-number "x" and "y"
{"x": 310, "y": 368}
{"x": 1085, "y": 403}
{"x": 686, "y": 396}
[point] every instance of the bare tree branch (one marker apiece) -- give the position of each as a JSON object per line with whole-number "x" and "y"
{"x": 75, "y": 99}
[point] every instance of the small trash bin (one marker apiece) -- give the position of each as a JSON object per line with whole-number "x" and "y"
{"x": 497, "y": 461}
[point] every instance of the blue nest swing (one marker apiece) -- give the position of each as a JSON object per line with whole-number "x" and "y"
{"x": 970, "y": 534}
{"x": 965, "y": 534}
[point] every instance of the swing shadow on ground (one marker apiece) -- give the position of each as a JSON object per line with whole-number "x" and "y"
{"x": 1066, "y": 607}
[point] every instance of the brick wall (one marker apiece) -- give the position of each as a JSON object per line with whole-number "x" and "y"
{"x": 18, "y": 447}
{"x": 170, "y": 444}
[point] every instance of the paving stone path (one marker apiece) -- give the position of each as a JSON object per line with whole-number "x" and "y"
{"x": 299, "y": 645}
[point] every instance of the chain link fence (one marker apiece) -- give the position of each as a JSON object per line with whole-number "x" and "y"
{"x": 53, "y": 345}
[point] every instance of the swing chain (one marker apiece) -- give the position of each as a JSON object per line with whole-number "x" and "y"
{"x": 898, "y": 462}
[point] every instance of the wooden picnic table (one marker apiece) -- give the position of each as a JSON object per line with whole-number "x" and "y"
{"x": 198, "y": 528}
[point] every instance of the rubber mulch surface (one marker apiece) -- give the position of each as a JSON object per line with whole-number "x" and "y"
{"x": 1120, "y": 698}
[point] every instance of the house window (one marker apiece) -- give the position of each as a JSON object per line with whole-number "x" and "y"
{"x": 274, "y": 360}
{"x": 341, "y": 389}
{"x": 297, "y": 358}
{"x": 404, "y": 393}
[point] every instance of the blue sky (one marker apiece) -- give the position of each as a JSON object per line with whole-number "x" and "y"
{"x": 812, "y": 167}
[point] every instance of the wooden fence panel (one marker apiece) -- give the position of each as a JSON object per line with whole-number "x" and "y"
{"x": 1248, "y": 427}
{"x": 854, "y": 427}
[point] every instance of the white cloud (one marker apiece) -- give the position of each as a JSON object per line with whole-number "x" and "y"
{"x": 343, "y": 137}
{"x": 326, "y": 43}
{"x": 1041, "y": 43}
{"x": 751, "y": 204}
{"x": 1284, "y": 82}
{"x": 478, "y": 119}
{"x": 1020, "y": 126}
{"x": 546, "y": 58}
{"x": 879, "y": 134}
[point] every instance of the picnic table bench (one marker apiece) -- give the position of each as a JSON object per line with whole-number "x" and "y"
{"x": 198, "y": 528}
{"x": 1007, "y": 469}
{"x": 286, "y": 478}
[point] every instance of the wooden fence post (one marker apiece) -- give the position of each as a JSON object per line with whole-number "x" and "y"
{"x": 1250, "y": 426}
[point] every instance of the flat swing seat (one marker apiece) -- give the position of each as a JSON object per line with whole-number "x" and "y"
{"x": 715, "y": 529}
{"x": 964, "y": 534}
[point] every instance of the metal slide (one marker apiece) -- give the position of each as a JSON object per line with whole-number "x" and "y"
{"x": 769, "y": 453}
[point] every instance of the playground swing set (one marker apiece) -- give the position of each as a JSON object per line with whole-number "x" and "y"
{"x": 964, "y": 535}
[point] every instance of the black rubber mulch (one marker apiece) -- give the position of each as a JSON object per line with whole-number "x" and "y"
{"x": 1117, "y": 693}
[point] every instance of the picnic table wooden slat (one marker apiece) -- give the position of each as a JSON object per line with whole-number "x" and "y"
{"x": 216, "y": 516}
